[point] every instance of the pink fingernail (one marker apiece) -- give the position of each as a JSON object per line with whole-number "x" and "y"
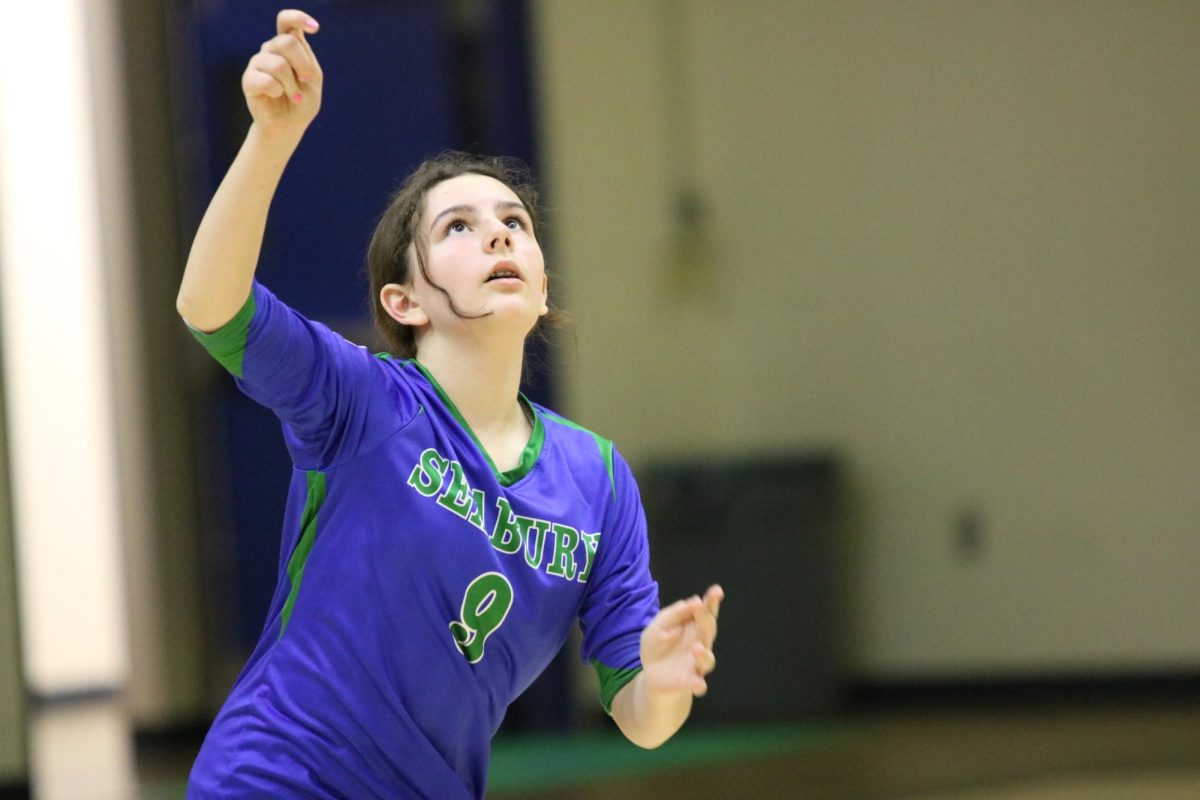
{"x": 311, "y": 25}
{"x": 297, "y": 97}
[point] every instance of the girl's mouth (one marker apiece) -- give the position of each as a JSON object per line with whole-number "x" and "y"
{"x": 504, "y": 270}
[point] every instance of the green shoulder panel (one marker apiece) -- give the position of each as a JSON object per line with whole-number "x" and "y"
{"x": 611, "y": 682}
{"x": 227, "y": 344}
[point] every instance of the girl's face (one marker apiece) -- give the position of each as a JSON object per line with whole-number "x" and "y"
{"x": 482, "y": 250}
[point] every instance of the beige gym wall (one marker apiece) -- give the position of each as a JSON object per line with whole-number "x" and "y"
{"x": 956, "y": 241}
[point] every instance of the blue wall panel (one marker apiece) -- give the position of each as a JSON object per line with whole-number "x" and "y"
{"x": 402, "y": 82}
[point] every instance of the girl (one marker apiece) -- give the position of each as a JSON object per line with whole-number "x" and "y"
{"x": 442, "y": 532}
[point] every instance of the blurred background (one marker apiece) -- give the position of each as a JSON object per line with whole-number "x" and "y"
{"x": 893, "y": 307}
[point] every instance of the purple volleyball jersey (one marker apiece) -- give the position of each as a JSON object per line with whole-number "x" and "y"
{"x": 420, "y": 590}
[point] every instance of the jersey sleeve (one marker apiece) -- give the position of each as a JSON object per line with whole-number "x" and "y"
{"x": 622, "y": 597}
{"x": 334, "y": 398}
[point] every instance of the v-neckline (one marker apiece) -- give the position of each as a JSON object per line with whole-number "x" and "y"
{"x": 533, "y": 447}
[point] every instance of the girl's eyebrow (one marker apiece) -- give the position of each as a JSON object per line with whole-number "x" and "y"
{"x": 501, "y": 205}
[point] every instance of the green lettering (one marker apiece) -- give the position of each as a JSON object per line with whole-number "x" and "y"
{"x": 590, "y": 542}
{"x": 457, "y": 496}
{"x": 535, "y": 544}
{"x": 476, "y": 517}
{"x": 566, "y": 539}
{"x": 426, "y": 476}
{"x": 506, "y": 534}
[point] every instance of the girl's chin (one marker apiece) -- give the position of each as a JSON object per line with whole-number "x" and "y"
{"x": 513, "y": 308}
{"x": 517, "y": 317}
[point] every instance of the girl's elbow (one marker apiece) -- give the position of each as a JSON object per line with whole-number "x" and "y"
{"x": 641, "y": 736}
{"x": 648, "y": 743}
{"x": 201, "y": 316}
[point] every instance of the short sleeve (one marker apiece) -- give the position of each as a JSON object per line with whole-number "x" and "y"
{"x": 335, "y": 399}
{"x": 622, "y": 597}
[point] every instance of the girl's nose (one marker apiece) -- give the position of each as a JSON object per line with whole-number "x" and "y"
{"x": 500, "y": 239}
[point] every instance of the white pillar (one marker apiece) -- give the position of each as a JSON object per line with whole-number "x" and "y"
{"x": 57, "y": 371}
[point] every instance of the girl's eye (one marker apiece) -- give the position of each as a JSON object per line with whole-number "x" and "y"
{"x": 457, "y": 226}
{"x": 515, "y": 223}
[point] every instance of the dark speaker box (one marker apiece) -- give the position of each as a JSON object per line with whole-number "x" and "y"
{"x": 767, "y": 531}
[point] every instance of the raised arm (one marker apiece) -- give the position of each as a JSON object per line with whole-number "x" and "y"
{"x": 282, "y": 84}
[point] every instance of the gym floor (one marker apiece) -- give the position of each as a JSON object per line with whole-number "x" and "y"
{"x": 1076, "y": 750}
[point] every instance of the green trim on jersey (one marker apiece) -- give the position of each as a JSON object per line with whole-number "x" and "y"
{"x": 533, "y": 447}
{"x": 605, "y": 445}
{"x": 611, "y": 682}
{"x": 308, "y": 535}
{"x": 227, "y": 344}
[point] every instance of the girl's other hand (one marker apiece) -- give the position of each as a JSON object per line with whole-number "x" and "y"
{"x": 677, "y": 646}
{"x": 282, "y": 83}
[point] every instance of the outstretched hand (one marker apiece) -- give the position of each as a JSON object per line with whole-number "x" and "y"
{"x": 677, "y": 645}
{"x": 282, "y": 82}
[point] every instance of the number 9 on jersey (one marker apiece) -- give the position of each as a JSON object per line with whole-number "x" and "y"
{"x": 485, "y": 606}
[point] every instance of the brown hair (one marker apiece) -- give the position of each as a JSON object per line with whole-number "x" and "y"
{"x": 399, "y": 227}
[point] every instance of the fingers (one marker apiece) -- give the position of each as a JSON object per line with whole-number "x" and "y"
{"x": 293, "y": 19}
{"x": 281, "y": 68}
{"x": 713, "y": 598}
{"x": 702, "y": 612}
{"x": 297, "y": 53}
{"x": 286, "y": 62}
{"x": 705, "y": 663}
{"x": 295, "y": 24}
{"x": 270, "y": 75}
{"x": 706, "y": 624}
{"x": 675, "y": 614}
{"x": 680, "y": 654}
{"x": 705, "y": 613}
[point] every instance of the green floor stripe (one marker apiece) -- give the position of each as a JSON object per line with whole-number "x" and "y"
{"x": 540, "y": 763}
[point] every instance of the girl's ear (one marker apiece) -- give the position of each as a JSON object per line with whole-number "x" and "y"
{"x": 400, "y": 305}
{"x": 545, "y": 294}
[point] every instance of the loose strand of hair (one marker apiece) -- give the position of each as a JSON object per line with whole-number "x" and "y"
{"x": 418, "y": 251}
